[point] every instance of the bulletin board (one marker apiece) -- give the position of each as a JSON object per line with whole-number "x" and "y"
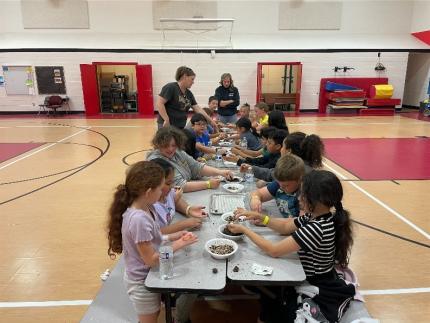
{"x": 50, "y": 80}
{"x": 18, "y": 80}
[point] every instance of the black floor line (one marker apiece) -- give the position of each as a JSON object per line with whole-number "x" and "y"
{"x": 392, "y": 234}
{"x": 71, "y": 174}
{"x": 124, "y": 159}
{"x": 59, "y": 173}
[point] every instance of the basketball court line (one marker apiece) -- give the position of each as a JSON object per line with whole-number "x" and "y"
{"x": 207, "y": 298}
{"x": 385, "y": 206}
{"x": 41, "y": 149}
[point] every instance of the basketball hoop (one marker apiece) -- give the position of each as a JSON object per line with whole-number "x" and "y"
{"x": 197, "y": 33}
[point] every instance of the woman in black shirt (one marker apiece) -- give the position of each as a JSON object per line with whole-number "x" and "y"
{"x": 175, "y": 100}
{"x": 228, "y": 99}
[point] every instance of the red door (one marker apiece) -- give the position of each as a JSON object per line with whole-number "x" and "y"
{"x": 145, "y": 100}
{"x": 90, "y": 89}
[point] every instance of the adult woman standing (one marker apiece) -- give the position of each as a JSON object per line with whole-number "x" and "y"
{"x": 228, "y": 99}
{"x": 175, "y": 100}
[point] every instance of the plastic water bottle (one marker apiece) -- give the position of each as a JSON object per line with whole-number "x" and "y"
{"x": 249, "y": 180}
{"x": 244, "y": 143}
{"x": 218, "y": 159}
{"x": 166, "y": 262}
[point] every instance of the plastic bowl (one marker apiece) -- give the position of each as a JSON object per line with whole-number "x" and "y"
{"x": 217, "y": 242}
{"x": 233, "y": 187}
{"x": 226, "y": 236}
{"x": 226, "y": 215}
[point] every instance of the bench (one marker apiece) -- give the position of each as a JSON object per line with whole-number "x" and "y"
{"x": 112, "y": 304}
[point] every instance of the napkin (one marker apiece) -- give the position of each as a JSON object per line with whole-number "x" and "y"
{"x": 261, "y": 270}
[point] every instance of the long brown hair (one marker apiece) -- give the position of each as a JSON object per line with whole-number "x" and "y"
{"x": 140, "y": 177}
{"x": 310, "y": 148}
{"x": 324, "y": 187}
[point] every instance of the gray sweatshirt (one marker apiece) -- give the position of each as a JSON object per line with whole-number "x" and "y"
{"x": 266, "y": 174}
{"x": 186, "y": 168}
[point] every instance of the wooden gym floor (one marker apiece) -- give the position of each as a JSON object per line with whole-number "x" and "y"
{"x": 55, "y": 190}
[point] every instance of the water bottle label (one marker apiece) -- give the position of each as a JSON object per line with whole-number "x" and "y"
{"x": 164, "y": 255}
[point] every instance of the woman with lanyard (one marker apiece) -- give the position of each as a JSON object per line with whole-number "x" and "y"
{"x": 228, "y": 100}
{"x": 175, "y": 100}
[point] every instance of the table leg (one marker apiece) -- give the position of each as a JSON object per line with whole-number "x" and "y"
{"x": 168, "y": 307}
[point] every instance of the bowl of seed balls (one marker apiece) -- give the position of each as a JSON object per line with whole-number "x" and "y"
{"x": 220, "y": 248}
{"x": 225, "y": 233}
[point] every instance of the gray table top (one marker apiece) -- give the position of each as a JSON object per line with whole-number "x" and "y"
{"x": 286, "y": 270}
{"x": 193, "y": 265}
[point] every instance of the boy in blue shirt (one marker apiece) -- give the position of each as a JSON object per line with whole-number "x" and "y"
{"x": 288, "y": 173}
{"x": 199, "y": 128}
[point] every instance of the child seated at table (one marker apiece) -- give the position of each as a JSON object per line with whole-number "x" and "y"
{"x": 203, "y": 140}
{"x": 322, "y": 237}
{"x": 288, "y": 173}
{"x": 244, "y": 110}
{"x": 243, "y": 127}
{"x": 134, "y": 230}
{"x": 261, "y": 111}
{"x": 310, "y": 148}
{"x": 171, "y": 200}
{"x": 274, "y": 145}
{"x": 245, "y": 152}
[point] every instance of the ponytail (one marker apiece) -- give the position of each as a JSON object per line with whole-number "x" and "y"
{"x": 312, "y": 150}
{"x": 141, "y": 176}
{"x": 120, "y": 203}
{"x": 321, "y": 186}
{"x": 343, "y": 241}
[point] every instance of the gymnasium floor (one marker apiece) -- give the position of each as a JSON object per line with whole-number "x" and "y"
{"x": 57, "y": 178}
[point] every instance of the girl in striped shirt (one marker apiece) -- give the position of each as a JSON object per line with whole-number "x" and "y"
{"x": 323, "y": 239}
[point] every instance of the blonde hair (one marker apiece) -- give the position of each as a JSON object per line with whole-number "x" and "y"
{"x": 262, "y": 106}
{"x": 289, "y": 168}
{"x": 224, "y": 76}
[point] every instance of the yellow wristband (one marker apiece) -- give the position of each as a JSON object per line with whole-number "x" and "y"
{"x": 209, "y": 184}
{"x": 187, "y": 211}
{"x": 265, "y": 220}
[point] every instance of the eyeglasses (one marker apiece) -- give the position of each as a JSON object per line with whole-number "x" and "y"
{"x": 201, "y": 124}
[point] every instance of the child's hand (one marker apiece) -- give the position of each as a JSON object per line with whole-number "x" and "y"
{"x": 255, "y": 217}
{"x": 228, "y": 174}
{"x": 193, "y": 223}
{"x": 222, "y": 151}
{"x": 185, "y": 240}
{"x": 215, "y": 181}
{"x": 236, "y": 228}
{"x": 197, "y": 211}
{"x": 244, "y": 168}
{"x": 177, "y": 235}
{"x": 178, "y": 193}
